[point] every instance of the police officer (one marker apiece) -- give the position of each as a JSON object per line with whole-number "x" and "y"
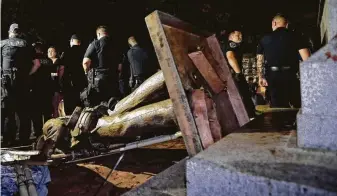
{"x": 101, "y": 65}
{"x": 17, "y": 56}
{"x": 234, "y": 53}
{"x": 41, "y": 93}
{"x": 138, "y": 59}
{"x": 124, "y": 76}
{"x": 280, "y": 49}
{"x": 74, "y": 79}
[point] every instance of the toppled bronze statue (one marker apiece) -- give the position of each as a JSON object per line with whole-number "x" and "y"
{"x": 147, "y": 110}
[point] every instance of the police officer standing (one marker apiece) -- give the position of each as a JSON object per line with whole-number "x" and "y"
{"x": 101, "y": 65}
{"x": 234, "y": 53}
{"x": 281, "y": 49}
{"x": 16, "y": 63}
{"x": 138, "y": 59}
{"x": 74, "y": 80}
{"x": 41, "y": 93}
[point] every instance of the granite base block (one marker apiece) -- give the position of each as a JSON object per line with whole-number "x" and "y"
{"x": 259, "y": 164}
{"x": 316, "y": 131}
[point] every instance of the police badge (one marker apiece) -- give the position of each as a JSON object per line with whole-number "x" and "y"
{"x": 232, "y": 45}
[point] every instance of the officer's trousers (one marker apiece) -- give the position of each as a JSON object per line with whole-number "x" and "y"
{"x": 71, "y": 98}
{"x": 41, "y": 109}
{"x": 138, "y": 80}
{"x": 14, "y": 101}
{"x": 102, "y": 85}
{"x": 246, "y": 96}
{"x": 283, "y": 89}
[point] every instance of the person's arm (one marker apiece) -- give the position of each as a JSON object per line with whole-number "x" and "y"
{"x": 260, "y": 65}
{"x": 120, "y": 67}
{"x": 233, "y": 61}
{"x": 305, "y": 53}
{"x": 36, "y": 66}
{"x": 87, "y": 58}
{"x": 129, "y": 56}
{"x": 303, "y": 47}
{"x": 86, "y": 64}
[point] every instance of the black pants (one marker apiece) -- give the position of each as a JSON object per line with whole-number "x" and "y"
{"x": 41, "y": 108}
{"x": 246, "y": 95}
{"x": 102, "y": 85}
{"x": 283, "y": 88}
{"x": 124, "y": 87}
{"x": 138, "y": 80}
{"x": 71, "y": 98}
{"x": 14, "y": 97}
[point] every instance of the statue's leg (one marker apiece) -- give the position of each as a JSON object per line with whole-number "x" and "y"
{"x": 146, "y": 92}
{"x": 149, "y": 118}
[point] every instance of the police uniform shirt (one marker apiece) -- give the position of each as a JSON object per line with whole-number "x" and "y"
{"x": 55, "y": 70}
{"x": 42, "y": 77}
{"x": 236, "y": 49}
{"x": 73, "y": 71}
{"x": 280, "y": 48}
{"x": 138, "y": 58}
{"x": 16, "y": 53}
{"x": 103, "y": 54}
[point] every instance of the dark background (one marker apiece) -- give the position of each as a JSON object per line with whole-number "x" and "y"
{"x": 54, "y": 21}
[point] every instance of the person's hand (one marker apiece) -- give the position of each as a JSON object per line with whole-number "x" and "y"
{"x": 130, "y": 83}
{"x": 263, "y": 82}
{"x": 237, "y": 76}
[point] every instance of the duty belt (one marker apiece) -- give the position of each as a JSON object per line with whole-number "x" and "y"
{"x": 8, "y": 71}
{"x": 279, "y": 68}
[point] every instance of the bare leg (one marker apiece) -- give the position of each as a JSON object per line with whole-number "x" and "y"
{"x": 144, "y": 93}
{"x": 139, "y": 121}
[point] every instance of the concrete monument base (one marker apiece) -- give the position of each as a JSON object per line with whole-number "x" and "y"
{"x": 261, "y": 163}
{"x": 317, "y": 131}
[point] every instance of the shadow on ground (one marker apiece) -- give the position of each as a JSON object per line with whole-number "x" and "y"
{"x": 136, "y": 167}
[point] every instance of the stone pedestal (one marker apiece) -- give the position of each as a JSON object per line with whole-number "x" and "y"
{"x": 261, "y": 163}
{"x": 317, "y": 120}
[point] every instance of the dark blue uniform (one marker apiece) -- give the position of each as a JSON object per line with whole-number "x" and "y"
{"x": 16, "y": 62}
{"x": 74, "y": 79}
{"x": 239, "y": 79}
{"x": 138, "y": 59}
{"x": 103, "y": 76}
{"x": 42, "y": 93}
{"x": 280, "y": 49}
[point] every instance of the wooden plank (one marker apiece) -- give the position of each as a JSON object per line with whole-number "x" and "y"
{"x": 174, "y": 83}
{"x": 223, "y": 71}
{"x": 199, "y": 110}
{"x": 214, "y": 124}
{"x": 169, "y": 20}
{"x": 224, "y": 110}
{"x": 207, "y": 71}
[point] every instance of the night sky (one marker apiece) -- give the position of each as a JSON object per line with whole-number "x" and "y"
{"x": 54, "y": 21}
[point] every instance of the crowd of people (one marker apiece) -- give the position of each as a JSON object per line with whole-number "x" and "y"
{"x": 101, "y": 75}
{"x": 278, "y": 56}
{"x": 40, "y": 83}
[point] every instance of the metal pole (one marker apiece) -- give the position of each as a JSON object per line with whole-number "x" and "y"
{"x": 134, "y": 145}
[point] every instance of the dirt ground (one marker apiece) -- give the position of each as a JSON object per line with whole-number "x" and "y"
{"x": 136, "y": 167}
